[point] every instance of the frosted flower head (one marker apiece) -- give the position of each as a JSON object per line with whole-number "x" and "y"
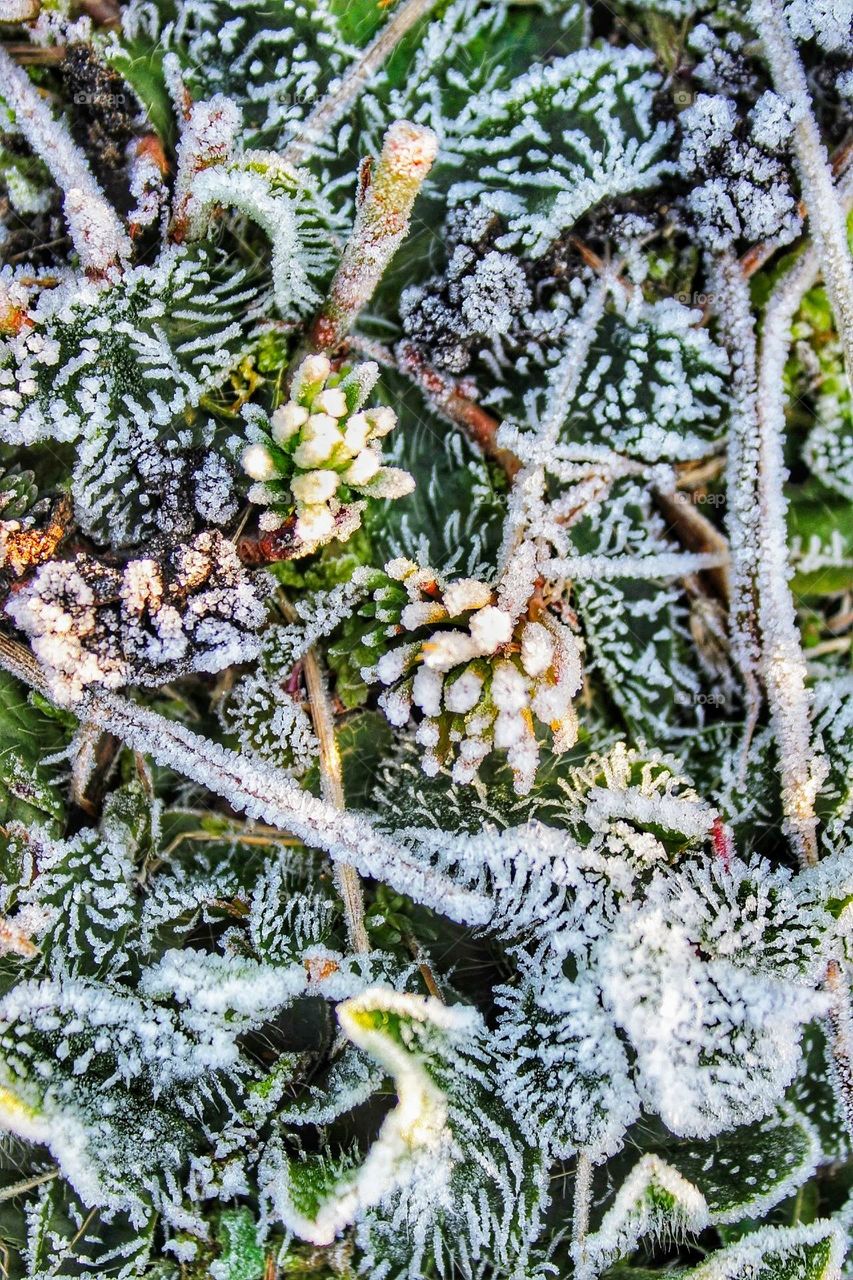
{"x": 473, "y": 678}
{"x": 320, "y": 452}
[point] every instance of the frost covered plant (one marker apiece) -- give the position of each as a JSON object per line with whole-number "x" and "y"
{"x": 426, "y": 610}
{"x": 318, "y": 450}
{"x": 476, "y": 675}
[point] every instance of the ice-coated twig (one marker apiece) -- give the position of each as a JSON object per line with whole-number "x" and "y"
{"x": 525, "y": 501}
{"x": 666, "y": 564}
{"x": 580, "y": 1211}
{"x": 329, "y": 111}
{"x": 19, "y": 10}
{"x": 825, "y": 210}
{"x": 331, "y": 777}
{"x": 262, "y": 791}
{"x": 384, "y": 205}
{"x": 95, "y": 228}
{"x": 840, "y": 1020}
{"x": 733, "y": 305}
{"x": 783, "y": 664}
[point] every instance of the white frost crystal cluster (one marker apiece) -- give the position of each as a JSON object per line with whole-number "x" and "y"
{"x": 91, "y": 623}
{"x": 478, "y": 678}
{"x": 319, "y": 449}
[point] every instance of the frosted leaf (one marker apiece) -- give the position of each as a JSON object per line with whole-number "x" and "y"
{"x": 118, "y": 368}
{"x": 559, "y": 140}
{"x": 448, "y": 1153}
{"x": 667, "y": 1000}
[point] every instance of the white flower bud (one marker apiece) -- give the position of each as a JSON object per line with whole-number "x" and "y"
{"x": 287, "y": 420}
{"x": 331, "y": 401}
{"x": 490, "y": 628}
{"x": 448, "y": 649}
{"x": 315, "y": 524}
{"x": 537, "y": 649}
{"x": 421, "y": 613}
{"x": 258, "y": 463}
{"x": 382, "y": 420}
{"x": 314, "y": 486}
{"x": 320, "y": 436}
{"x": 356, "y": 433}
{"x": 426, "y": 690}
{"x": 464, "y": 693}
{"x": 312, "y": 373}
{"x": 465, "y": 594}
{"x": 363, "y": 468}
{"x": 509, "y": 688}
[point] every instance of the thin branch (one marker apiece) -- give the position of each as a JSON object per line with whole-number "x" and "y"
{"x": 27, "y": 1184}
{"x": 262, "y": 791}
{"x": 783, "y": 665}
{"x": 96, "y": 230}
{"x": 444, "y": 396}
{"x": 733, "y": 305}
{"x": 825, "y": 210}
{"x": 335, "y": 105}
{"x": 331, "y": 777}
{"x": 840, "y": 1027}
{"x": 580, "y": 1213}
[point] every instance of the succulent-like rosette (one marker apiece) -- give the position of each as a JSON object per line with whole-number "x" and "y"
{"x": 319, "y": 453}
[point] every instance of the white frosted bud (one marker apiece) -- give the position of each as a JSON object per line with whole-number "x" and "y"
{"x": 320, "y": 436}
{"x": 426, "y": 690}
{"x": 397, "y": 704}
{"x": 509, "y": 688}
{"x": 356, "y": 433}
{"x": 382, "y": 420}
{"x": 467, "y": 593}
{"x": 537, "y": 648}
{"x": 363, "y": 468}
{"x": 258, "y": 463}
{"x": 331, "y": 401}
{"x": 311, "y": 375}
{"x": 490, "y": 627}
{"x": 314, "y": 486}
{"x": 400, "y": 568}
{"x": 421, "y": 613}
{"x": 448, "y": 649}
{"x": 428, "y": 733}
{"x": 464, "y": 693}
{"x": 509, "y": 729}
{"x": 287, "y": 420}
{"x": 315, "y": 524}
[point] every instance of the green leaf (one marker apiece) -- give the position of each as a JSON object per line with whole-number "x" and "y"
{"x": 241, "y": 1258}
{"x": 811, "y": 1252}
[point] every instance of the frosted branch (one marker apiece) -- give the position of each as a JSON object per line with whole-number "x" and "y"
{"x": 733, "y": 304}
{"x": 335, "y": 105}
{"x": 261, "y": 791}
{"x": 783, "y": 665}
{"x": 331, "y": 777}
{"x": 668, "y": 564}
{"x": 826, "y": 214}
{"x": 94, "y": 226}
{"x": 381, "y": 223}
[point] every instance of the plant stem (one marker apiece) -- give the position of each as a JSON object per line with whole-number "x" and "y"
{"x": 329, "y": 111}
{"x": 825, "y": 209}
{"x": 384, "y": 205}
{"x": 840, "y": 1026}
{"x": 331, "y": 777}
{"x": 580, "y": 1212}
{"x": 782, "y": 662}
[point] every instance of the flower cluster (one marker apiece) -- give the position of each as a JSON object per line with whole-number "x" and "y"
{"x": 475, "y": 673}
{"x": 319, "y": 449}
